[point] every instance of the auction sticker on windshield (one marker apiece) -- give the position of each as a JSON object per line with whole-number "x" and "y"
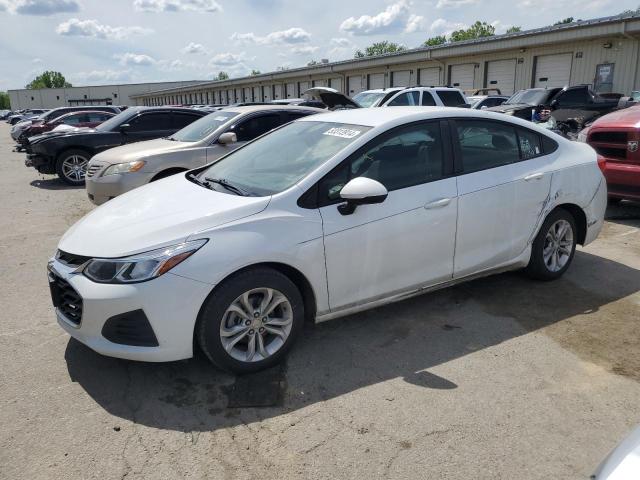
{"x": 342, "y": 132}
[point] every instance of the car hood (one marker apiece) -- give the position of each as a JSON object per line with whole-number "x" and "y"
{"x": 628, "y": 117}
{"x": 161, "y": 213}
{"x": 61, "y": 133}
{"x": 138, "y": 150}
{"x": 509, "y": 108}
{"x": 332, "y": 98}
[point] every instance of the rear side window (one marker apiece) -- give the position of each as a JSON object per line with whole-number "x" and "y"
{"x": 486, "y": 145}
{"x": 529, "y": 143}
{"x": 428, "y": 100}
{"x": 405, "y": 99}
{"x": 548, "y": 145}
{"x": 149, "y": 122}
{"x": 98, "y": 117}
{"x": 254, "y": 127}
{"x": 451, "y": 98}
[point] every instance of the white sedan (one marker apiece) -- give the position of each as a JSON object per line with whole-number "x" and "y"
{"x": 323, "y": 217}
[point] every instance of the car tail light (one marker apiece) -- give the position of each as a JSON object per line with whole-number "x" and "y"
{"x": 602, "y": 163}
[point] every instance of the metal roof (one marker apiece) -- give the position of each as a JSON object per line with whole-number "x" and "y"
{"x": 329, "y": 67}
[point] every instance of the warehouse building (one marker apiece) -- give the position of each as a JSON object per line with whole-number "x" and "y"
{"x": 94, "y": 95}
{"x": 602, "y": 52}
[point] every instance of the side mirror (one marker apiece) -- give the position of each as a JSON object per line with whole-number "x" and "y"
{"x": 227, "y": 138}
{"x": 124, "y": 128}
{"x": 361, "y": 191}
{"x": 483, "y": 107}
{"x": 554, "y": 104}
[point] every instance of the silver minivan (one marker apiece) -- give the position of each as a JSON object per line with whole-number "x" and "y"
{"x": 118, "y": 170}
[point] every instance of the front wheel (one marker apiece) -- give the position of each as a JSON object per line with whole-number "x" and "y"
{"x": 554, "y": 247}
{"x": 251, "y": 321}
{"x": 71, "y": 166}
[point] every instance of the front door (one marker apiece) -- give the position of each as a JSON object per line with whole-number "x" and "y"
{"x": 405, "y": 242}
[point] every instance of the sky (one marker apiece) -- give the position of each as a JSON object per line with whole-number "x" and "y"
{"x": 95, "y": 42}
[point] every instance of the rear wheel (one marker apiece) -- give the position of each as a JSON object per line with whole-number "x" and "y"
{"x": 71, "y": 166}
{"x": 554, "y": 247}
{"x": 251, "y": 321}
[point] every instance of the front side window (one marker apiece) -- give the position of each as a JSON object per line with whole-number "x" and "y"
{"x": 451, "y": 98}
{"x": 76, "y": 119}
{"x": 277, "y": 161}
{"x": 409, "y": 156}
{"x": 149, "y": 122}
{"x": 368, "y": 99}
{"x": 485, "y": 145}
{"x": 253, "y": 127}
{"x": 576, "y": 96}
{"x": 405, "y": 99}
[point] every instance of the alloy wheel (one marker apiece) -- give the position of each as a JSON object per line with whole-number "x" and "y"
{"x": 558, "y": 245}
{"x": 256, "y": 324}
{"x": 74, "y": 167}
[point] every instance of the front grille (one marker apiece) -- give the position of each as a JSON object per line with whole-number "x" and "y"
{"x": 619, "y": 153}
{"x": 71, "y": 260}
{"x": 609, "y": 137}
{"x": 92, "y": 170}
{"x": 65, "y": 298}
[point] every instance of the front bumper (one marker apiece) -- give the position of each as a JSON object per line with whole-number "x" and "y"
{"x": 623, "y": 180}
{"x": 101, "y": 189}
{"x": 41, "y": 163}
{"x": 170, "y": 303}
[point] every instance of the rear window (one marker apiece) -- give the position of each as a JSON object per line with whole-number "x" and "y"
{"x": 451, "y": 98}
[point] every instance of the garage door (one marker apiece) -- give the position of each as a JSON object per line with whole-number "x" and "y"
{"x": 277, "y": 92}
{"x": 320, "y": 83}
{"x": 266, "y": 93}
{"x": 336, "y": 83}
{"x": 429, "y": 76}
{"x": 553, "y": 70}
{"x": 247, "y": 94}
{"x": 401, "y": 78}
{"x": 231, "y": 96}
{"x": 239, "y": 95}
{"x": 502, "y": 74}
{"x": 303, "y": 86}
{"x": 355, "y": 85}
{"x": 257, "y": 95}
{"x": 291, "y": 90}
{"x": 462, "y": 76}
{"x": 375, "y": 80}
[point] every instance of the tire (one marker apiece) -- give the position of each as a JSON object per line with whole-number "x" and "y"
{"x": 66, "y": 163}
{"x": 216, "y": 317}
{"x": 545, "y": 266}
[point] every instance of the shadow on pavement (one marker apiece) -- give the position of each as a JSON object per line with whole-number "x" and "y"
{"x": 625, "y": 212}
{"x": 53, "y": 184}
{"x": 402, "y": 340}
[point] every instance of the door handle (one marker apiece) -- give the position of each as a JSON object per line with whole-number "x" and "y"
{"x": 438, "y": 203}
{"x": 534, "y": 176}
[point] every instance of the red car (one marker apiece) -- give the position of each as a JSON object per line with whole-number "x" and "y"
{"x": 616, "y": 138}
{"x": 83, "y": 118}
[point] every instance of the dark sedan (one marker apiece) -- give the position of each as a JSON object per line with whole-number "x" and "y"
{"x": 68, "y": 153}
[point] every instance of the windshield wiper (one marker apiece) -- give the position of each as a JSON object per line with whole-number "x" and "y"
{"x": 194, "y": 178}
{"x": 170, "y": 138}
{"x": 228, "y": 186}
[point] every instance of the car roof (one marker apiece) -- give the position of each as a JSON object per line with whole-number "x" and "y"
{"x": 378, "y": 117}
{"x": 382, "y": 90}
{"x": 260, "y": 108}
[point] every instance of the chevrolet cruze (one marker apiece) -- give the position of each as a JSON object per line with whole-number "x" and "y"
{"x": 323, "y": 217}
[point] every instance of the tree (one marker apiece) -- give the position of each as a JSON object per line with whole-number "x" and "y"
{"x": 514, "y": 29}
{"x": 5, "y": 104}
{"x": 255, "y": 72}
{"x": 433, "y": 41}
{"x": 566, "y": 20}
{"x": 380, "y": 48}
{"x": 48, "y": 79}
{"x": 222, "y": 76}
{"x": 477, "y": 30}
{"x": 312, "y": 63}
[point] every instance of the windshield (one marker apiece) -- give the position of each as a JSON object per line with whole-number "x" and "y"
{"x": 203, "y": 127}
{"x": 116, "y": 121}
{"x": 367, "y": 99}
{"x": 282, "y": 158}
{"x": 529, "y": 97}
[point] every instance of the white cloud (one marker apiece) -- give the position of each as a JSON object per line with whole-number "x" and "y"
{"x": 135, "y": 59}
{"x": 444, "y": 27}
{"x": 92, "y": 28}
{"x": 290, "y": 36}
{"x": 414, "y": 23}
{"x": 396, "y": 18}
{"x": 226, "y": 59}
{"x": 39, "y": 7}
{"x": 177, "y": 6}
{"x": 94, "y": 76}
{"x": 341, "y": 42}
{"x": 194, "y": 48}
{"x": 455, "y": 3}
{"x": 36, "y": 60}
{"x": 303, "y": 50}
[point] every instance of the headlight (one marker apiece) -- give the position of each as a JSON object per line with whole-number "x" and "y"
{"x": 141, "y": 267}
{"x": 124, "y": 167}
